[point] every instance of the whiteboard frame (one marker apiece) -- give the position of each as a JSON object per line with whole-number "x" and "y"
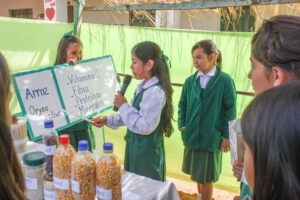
{"x": 32, "y": 137}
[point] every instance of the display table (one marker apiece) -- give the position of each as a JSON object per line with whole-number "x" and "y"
{"x": 134, "y": 187}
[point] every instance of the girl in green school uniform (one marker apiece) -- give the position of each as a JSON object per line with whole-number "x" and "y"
{"x": 207, "y": 103}
{"x": 70, "y": 50}
{"x": 148, "y": 118}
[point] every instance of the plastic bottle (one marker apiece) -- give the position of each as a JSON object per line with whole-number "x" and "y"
{"x": 50, "y": 144}
{"x": 33, "y": 166}
{"x": 108, "y": 175}
{"x": 49, "y": 190}
{"x": 62, "y": 161}
{"x": 83, "y": 173}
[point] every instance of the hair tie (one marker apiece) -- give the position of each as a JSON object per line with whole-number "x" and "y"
{"x": 68, "y": 34}
{"x": 166, "y": 58}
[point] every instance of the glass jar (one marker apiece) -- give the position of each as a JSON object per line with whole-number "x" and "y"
{"x": 62, "y": 161}
{"x": 49, "y": 190}
{"x": 19, "y": 135}
{"x": 33, "y": 167}
{"x": 50, "y": 144}
{"x": 83, "y": 173}
{"x": 108, "y": 175}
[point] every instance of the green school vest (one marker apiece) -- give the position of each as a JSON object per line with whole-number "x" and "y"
{"x": 145, "y": 154}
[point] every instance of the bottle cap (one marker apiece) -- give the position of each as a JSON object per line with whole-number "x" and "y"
{"x": 34, "y": 158}
{"x": 64, "y": 139}
{"x": 48, "y": 123}
{"x": 108, "y": 147}
{"x": 83, "y": 145}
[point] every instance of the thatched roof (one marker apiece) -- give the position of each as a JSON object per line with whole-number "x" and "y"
{"x": 232, "y": 13}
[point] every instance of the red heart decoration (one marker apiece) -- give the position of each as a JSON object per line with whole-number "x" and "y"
{"x": 50, "y": 12}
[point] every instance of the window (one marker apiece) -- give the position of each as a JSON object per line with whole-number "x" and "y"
{"x": 243, "y": 21}
{"x": 21, "y": 13}
{"x": 142, "y": 18}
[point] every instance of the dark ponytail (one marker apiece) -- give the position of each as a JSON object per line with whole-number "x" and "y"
{"x": 209, "y": 48}
{"x": 149, "y": 50}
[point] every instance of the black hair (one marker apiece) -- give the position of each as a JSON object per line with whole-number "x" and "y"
{"x": 146, "y": 51}
{"x": 63, "y": 47}
{"x": 277, "y": 43}
{"x": 271, "y": 129}
{"x": 209, "y": 48}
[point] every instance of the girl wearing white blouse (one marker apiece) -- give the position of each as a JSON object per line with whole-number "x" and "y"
{"x": 148, "y": 118}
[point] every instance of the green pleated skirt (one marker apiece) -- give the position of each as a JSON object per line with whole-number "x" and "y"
{"x": 203, "y": 166}
{"x": 148, "y": 162}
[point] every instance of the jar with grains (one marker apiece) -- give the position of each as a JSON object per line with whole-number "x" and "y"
{"x": 49, "y": 190}
{"x": 83, "y": 173}
{"x": 62, "y": 161}
{"x": 33, "y": 167}
{"x": 108, "y": 175}
{"x": 50, "y": 144}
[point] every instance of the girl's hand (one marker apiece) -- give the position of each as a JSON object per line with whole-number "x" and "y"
{"x": 182, "y": 129}
{"x": 73, "y": 61}
{"x": 237, "y": 169}
{"x": 118, "y": 78}
{"x": 225, "y": 147}
{"x": 119, "y": 100}
{"x": 99, "y": 121}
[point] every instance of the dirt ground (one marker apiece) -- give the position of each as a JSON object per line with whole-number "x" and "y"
{"x": 188, "y": 191}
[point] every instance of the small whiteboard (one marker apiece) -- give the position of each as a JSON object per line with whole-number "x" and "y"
{"x": 66, "y": 93}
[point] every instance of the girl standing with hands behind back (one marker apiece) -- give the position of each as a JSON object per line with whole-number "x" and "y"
{"x": 148, "y": 119}
{"x": 70, "y": 50}
{"x": 207, "y": 103}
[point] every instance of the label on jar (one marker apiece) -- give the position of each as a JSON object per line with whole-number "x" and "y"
{"x": 60, "y": 183}
{"x": 104, "y": 193}
{"x": 49, "y": 195}
{"x": 49, "y": 150}
{"x": 75, "y": 186}
{"x": 31, "y": 183}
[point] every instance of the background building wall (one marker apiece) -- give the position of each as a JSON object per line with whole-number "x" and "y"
{"x": 36, "y": 5}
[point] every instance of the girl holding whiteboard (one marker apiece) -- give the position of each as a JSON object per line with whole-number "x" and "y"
{"x": 70, "y": 50}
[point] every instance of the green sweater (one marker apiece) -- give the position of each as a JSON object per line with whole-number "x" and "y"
{"x": 205, "y": 112}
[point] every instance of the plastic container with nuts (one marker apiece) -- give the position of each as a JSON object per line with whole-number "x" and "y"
{"x": 108, "y": 175}
{"x": 62, "y": 161}
{"x": 83, "y": 173}
{"x": 33, "y": 167}
{"x": 50, "y": 144}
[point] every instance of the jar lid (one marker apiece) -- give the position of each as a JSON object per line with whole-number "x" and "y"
{"x": 48, "y": 123}
{"x": 107, "y": 146}
{"x": 34, "y": 158}
{"x": 83, "y": 145}
{"x": 64, "y": 139}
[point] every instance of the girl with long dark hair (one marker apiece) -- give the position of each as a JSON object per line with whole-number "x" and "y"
{"x": 149, "y": 117}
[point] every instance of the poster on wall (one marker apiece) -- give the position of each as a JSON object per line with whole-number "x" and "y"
{"x": 50, "y": 10}
{"x": 66, "y": 93}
